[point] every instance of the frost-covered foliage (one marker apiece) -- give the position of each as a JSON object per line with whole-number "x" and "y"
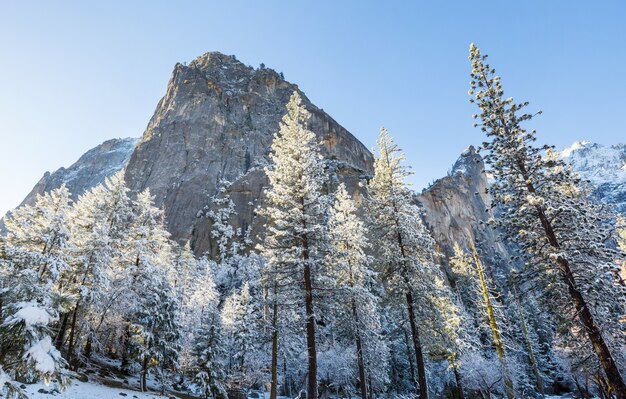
{"x": 242, "y": 330}
{"x": 85, "y": 277}
{"x": 295, "y": 241}
{"x": 209, "y": 355}
{"x": 35, "y": 255}
{"x": 355, "y": 303}
{"x": 563, "y": 234}
{"x": 156, "y": 334}
{"x": 405, "y": 256}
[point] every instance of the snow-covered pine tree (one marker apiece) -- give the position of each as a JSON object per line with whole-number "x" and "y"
{"x": 156, "y": 332}
{"x": 202, "y": 327}
{"x": 295, "y": 218}
{"x": 350, "y": 268}
{"x": 404, "y": 246}
{"x": 233, "y": 266}
{"x": 452, "y": 332}
{"x": 99, "y": 221}
{"x": 221, "y": 229}
{"x": 545, "y": 210}
{"x": 188, "y": 280}
{"x": 147, "y": 261}
{"x": 241, "y": 327}
{"x": 35, "y": 250}
{"x": 208, "y": 351}
{"x": 183, "y": 269}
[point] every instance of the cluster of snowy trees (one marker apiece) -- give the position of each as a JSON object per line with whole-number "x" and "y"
{"x": 343, "y": 292}
{"x": 97, "y": 278}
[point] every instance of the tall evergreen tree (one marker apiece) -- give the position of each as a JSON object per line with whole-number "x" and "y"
{"x": 190, "y": 285}
{"x": 147, "y": 259}
{"x": 241, "y": 328}
{"x": 208, "y": 351}
{"x": 203, "y": 318}
{"x": 295, "y": 212}
{"x": 548, "y": 213}
{"x": 404, "y": 246}
{"x": 354, "y": 279}
{"x": 156, "y": 333}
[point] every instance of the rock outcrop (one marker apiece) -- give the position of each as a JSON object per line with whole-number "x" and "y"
{"x": 455, "y": 210}
{"x": 216, "y": 122}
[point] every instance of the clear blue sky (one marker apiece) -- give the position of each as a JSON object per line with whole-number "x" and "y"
{"x": 73, "y": 74}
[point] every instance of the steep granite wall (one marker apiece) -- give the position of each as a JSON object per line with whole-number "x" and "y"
{"x": 216, "y": 121}
{"x": 455, "y": 210}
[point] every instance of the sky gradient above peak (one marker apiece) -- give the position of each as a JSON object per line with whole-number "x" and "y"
{"x": 75, "y": 74}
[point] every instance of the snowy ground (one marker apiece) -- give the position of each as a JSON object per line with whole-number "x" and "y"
{"x": 91, "y": 390}
{"x": 87, "y": 390}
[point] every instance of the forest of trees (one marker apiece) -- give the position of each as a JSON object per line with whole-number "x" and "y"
{"x": 343, "y": 293}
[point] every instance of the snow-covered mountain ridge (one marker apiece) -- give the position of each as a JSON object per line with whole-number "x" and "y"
{"x": 89, "y": 170}
{"x": 604, "y": 167}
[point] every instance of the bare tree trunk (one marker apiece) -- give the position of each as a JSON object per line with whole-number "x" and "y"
{"x": 529, "y": 345}
{"x": 286, "y": 382}
{"x": 457, "y": 378}
{"x": 274, "y": 386}
{"x": 409, "y": 356}
{"x": 493, "y": 324}
{"x": 359, "y": 352}
{"x": 310, "y": 313}
{"x": 144, "y": 373}
{"x": 417, "y": 346}
{"x": 70, "y": 345}
{"x": 58, "y": 341}
{"x": 310, "y": 331}
{"x": 88, "y": 346}
{"x": 125, "y": 339}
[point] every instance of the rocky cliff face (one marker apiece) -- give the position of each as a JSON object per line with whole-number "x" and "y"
{"x": 216, "y": 122}
{"x": 90, "y": 170}
{"x": 455, "y": 210}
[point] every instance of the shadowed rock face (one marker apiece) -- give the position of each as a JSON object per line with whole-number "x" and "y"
{"x": 216, "y": 121}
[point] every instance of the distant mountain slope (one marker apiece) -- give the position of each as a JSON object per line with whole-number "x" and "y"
{"x": 89, "y": 170}
{"x": 604, "y": 167}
